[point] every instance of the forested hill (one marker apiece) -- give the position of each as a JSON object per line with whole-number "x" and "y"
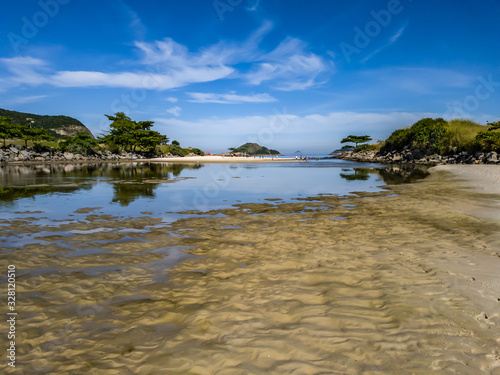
{"x": 56, "y": 125}
{"x": 255, "y": 149}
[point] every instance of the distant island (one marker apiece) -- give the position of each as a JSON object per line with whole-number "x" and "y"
{"x": 253, "y": 149}
{"x": 57, "y": 126}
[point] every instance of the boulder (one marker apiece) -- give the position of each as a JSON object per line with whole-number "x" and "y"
{"x": 68, "y": 156}
{"x": 491, "y": 158}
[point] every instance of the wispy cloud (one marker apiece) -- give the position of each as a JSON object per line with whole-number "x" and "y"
{"x": 26, "y": 99}
{"x": 288, "y": 67}
{"x": 135, "y": 23}
{"x": 176, "y": 111}
{"x": 139, "y": 80}
{"x": 253, "y": 7}
{"x": 171, "y": 99}
{"x": 418, "y": 80}
{"x": 393, "y": 39}
{"x": 200, "y": 97}
{"x": 168, "y": 64}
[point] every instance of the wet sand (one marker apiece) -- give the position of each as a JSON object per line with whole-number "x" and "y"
{"x": 398, "y": 282}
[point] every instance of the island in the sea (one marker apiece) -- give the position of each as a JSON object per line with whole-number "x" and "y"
{"x": 253, "y": 149}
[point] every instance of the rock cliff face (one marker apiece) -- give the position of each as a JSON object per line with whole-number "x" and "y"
{"x": 418, "y": 157}
{"x": 58, "y": 126}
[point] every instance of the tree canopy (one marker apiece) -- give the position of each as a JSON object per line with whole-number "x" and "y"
{"x": 9, "y": 129}
{"x": 356, "y": 139}
{"x": 130, "y": 135}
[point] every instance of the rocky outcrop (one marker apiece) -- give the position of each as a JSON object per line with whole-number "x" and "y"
{"x": 419, "y": 157}
{"x": 18, "y": 154}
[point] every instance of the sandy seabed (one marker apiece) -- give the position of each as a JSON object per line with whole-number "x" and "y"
{"x": 405, "y": 281}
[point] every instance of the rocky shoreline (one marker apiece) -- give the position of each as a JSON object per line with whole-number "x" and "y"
{"x": 419, "y": 157}
{"x": 18, "y": 154}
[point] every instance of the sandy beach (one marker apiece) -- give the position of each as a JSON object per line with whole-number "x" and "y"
{"x": 401, "y": 281}
{"x": 227, "y": 159}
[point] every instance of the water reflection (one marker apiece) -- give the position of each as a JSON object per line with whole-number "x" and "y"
{"x": 215, "y": 185}
{"x": 130, "y": 180}
{"x": 392, "y": 175}
{"x": 357, "y": 174}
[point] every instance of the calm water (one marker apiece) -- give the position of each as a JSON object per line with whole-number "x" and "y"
{"x": 57, "y": 191}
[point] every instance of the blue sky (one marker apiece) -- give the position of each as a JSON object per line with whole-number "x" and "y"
{"x": 289, "y": 75}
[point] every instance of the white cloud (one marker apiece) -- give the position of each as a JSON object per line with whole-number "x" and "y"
{"x": 176, "y": 111}
{"x": 392, "y": 40}
{"x": 200, "y": 97}
{"x": 171, "y": 99}
{"x": 254, "y": 6}
{"x": 25, "y": 70}
{"x": 148, "y": 81}
{"x": 289, "y": 67}
{"x": 398, "y": 34}
{"x": 26, "y": 99}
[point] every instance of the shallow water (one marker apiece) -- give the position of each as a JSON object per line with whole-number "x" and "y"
{"x": 304, "y": 278}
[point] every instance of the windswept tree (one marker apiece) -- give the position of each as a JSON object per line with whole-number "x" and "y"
{"x": 356, "y": 139}
{"x": 27, "y": 133}
{"x": 129, "y": 134}
{"x": 8, "y": 129}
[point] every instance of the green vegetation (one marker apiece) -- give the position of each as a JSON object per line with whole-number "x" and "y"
{"x": 124, "y": 135}
{"x": 56, "y": 126}
{"x": 130, "y": 135}
{"x": 176, "y": 149}
{"x": 357, "y": 139}
{"x": 253, "y": 149}
{"x": 437, "y": 136}
{"x": 9, "y": 130}
{"x": 81, "y": 143}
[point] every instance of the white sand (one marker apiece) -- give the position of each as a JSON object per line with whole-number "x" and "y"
{"x": 483, "y": 178}
{"x": 226, "y": 159}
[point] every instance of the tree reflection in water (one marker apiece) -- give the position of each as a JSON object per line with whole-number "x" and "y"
{"x": 393, "y": 175}
{"x": 130, "y": 180}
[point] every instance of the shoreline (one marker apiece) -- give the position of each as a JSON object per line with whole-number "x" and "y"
{"x": 418, "y": 157}
{"x": 176, "y": 160}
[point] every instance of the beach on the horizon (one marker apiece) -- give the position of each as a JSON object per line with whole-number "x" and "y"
{"x": 227, "y": 159}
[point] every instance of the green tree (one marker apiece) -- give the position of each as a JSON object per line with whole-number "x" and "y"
{"x": 356, "y": 139}
{"x": 129, "y": 134}
{"x": 149, "y": 139}
{"x": 82, "y": 143}
{"x": 8, "y": 129}
{"x": 27, "y": 133}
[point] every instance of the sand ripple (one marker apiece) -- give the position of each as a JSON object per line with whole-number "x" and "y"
{"x": 405, "y": 283}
